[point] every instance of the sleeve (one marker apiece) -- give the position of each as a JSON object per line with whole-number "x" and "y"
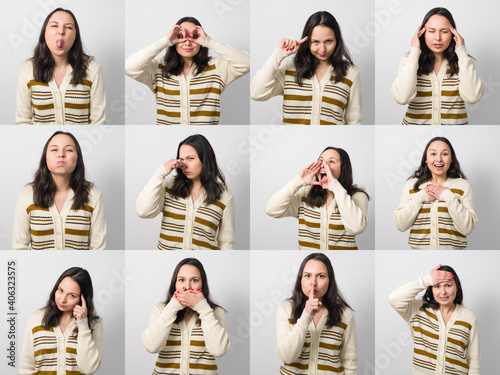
{"x": 349, "y": 351}
{"x": 225, "y": 237}
{"x": 404, "y": 87}
{"x": 21, "y": 236}
{"x": 403, "y": 298}
{"x": 27, "y": 358}
{"x": 409, "y": 207}
{"x": 161, "y": 320}
{"x": 98, "y": 231}
{"x": 470, "y": 86}
{"x": 290, "y": 337}
{"x": 352, "y": 114}
{"x": 269, "y": 81}
{"x": 88, "y": 357}
{"x": 142, "y": 64}
{"x": 234, "y": 63}
{"x": 286, "y": 202}
{"x": 151, "y": 199}
{"x": 473, "y": 354}
{"x": 98, "y": 98}
{"x": 462, "y": 213}
{"x": 353, "y": 210}
{"x": 214, "y": 328}
{"x": 24, "y": 107}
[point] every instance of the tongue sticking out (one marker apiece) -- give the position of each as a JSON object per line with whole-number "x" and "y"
{"x": 59, "y": 43}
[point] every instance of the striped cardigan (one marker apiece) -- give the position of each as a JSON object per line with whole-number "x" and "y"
{"x": 439, "y": 348}
{"x": 46, "y": 103}
{"x": 437, "y": 99}
{"x": 187, "y": 225}
{"x": 48, "y": 350}
{"x": 314, "y": 102}
{"x": 186, "y": 348}
{"x": 332, "y": 228}
{"x": 191, "y": 100}
{"x": 38, "y": 228}
{"x": 308, "y": 349}
{"x": 439, "y": 225}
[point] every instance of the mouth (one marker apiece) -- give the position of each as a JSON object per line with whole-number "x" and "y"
{"x": 439, "y": 166}
{"x": 59, "y": 43}
{"x": 323, "y": 177}
{"x": 438, "y": 46}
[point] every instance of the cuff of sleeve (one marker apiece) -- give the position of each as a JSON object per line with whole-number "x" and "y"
{"x": 428, "y": 280}
{"x": 82, "y": 324}
{"x": 279, "y": 55}
{"x": 173, "y": 306}
{"x": 421, "y": 196}
{"x": 305, "y": 318}
{"x": 161, "y": 173}
{"x": 202, "y": 305}
{"x": 165, "y": 42}
{"x": 298, "y": 182}
{"x": 414, "y": 53}
{"x": 335, "y": 185}
{"x": 461, "y": 52}
{"x": 446, "y": 195}
{"x": 208, "y": 42}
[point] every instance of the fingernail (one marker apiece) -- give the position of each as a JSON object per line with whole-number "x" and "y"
{"x": 192, "y": 289}
{"x": 452, "y": 276}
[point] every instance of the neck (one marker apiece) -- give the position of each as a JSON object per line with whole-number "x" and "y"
{"x": 60, "y": 61}
{"x": 439, "y": 58}
{"x": 445, "y": 310}
{"x": 438, "y": 180}
{"x": 323, "y": 64}
{"x": 188, "y": 62}
{"x": 66, "y": 317}
{"x": 62, "y": 182}
{"x": 197, "y": 185}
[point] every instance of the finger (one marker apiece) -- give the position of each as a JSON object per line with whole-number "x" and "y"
{"x": 302, "y": 40}
{"x": 311, "y": 292}
{"x": 420, "y": 32}
{"x": 84, "y": 304}
{"x": 437, "y": 267}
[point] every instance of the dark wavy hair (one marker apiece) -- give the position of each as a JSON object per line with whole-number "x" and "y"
{"x": 204, "y": 282}
{"x": 317, "y": 195}
{"x": 306, "y": 63}
{"x": 211, "y": 177}
{"x": 173, "y": 64}
{"x": 422, "y": 173}
{"x": 431, "y": 303}
{"x": 333, "y": 300}
{"x": 44, "y": 187}
{"x": 43, "y": 62}
{"x": 52, "y": 315}
{"x": 427, "y": 58}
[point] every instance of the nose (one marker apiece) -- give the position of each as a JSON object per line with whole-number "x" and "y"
{"x": 438, "y": 36}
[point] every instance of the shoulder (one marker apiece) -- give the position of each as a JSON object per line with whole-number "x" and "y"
{"x": 97, "y": 324}
{"x": 347, "y": 315}
{"x": 93, "y": 66}
{"x": 466, "y": 314}
{"x": 35, "y": 319}
{"x": 95, "y": 194}
{"x": 360, "y": 195}
{"x": 459, "y": 183}
{"x": 286, "y": 306}
{"x": 27, "y": 193}
{"x": 410, "y": 182}
{"x": 226, "y": 196}
{"x": 27, "y": 67}
{"x": 169, "y": 181}
{"x": 352, "y": 72}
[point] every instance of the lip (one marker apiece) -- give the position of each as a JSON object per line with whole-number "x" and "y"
{"x": 61, "y": 306}
{"x": 438, "y": 46}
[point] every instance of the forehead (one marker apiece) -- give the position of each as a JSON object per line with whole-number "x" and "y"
{"x": 189, "y": 26}
{"x": 322, "y": 32}
{"x": 186, "y": 150}
{"x": 61, "y": 17}
{"x": 328, "y": 154}
{"x": 69, "y": 285}
{"x": 438, "y": 146}
{"x": 61, "y": 140}
{"x": 438, "y": 22}
{"x": 315, "y": 266}
{"x": 452, "y": 282}
{"x": 188, "y": 270}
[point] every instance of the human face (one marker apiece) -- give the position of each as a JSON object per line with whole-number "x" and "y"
{"x": 67, "y": 295}
{"x": 438, "y": 34}
{"x": 332, "y": 159}
{"x": 192, "y": 163}
{"x": 315, "y": 276}
{"x": 188, "y": 49}
{"x": 438, "y": 158}
{"x": 445, "y": 293}
{"x": 188, "y": 277}
{"x": 61, "y": 156}
{"x": 60, "y": 34}
{"x": 322, "y": 43}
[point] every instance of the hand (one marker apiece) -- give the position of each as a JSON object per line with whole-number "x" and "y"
{"x": 189, "y": 297}
{"x": 177, "y": 34}
{"x": 439, "y": 277}
{"x": 198, "y": 35}
{"x": 173, "y": 164}
{"x": 329, "y": 175}
{"x": 308, "y": 173}
{"x": 312, "y": 305}
{"x": 80, "y": 312}
{"x": 290, "y": 46}
{"x": 415, "y": 41}
{"x": 459, "y": 41}
{"x": 434, "y": 191}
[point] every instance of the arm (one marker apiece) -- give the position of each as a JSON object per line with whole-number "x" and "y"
{"x": 404, "y": 87}
{"x": 161, "y": 320}
{"x": 409, "y": 207}
{"x": 349, "y": 351}
{"x": 214, "y": 328}
{"x": 353, "y": 209}
{"x": 286, "y": 202}
{"x": 403, "y": 298}
{"x": 269, "y": 81}
{"x": 462, "y": 213}
{"x": 98, "y": 229}
{"x": 352, "y": 114}
{"x": 151, "y": 199}
{"x": 27, "y": 359}
{"x": 473, "y": 354}
{"x": 88, "y": 357}
{"x": 21, "y": 236}
{"x": 234, "y": 63}
{"x": 225, "y": 237}
{"x": 98, "y": 98}
{"x": 24, "y": 108}
{"x": 470, "y": 86}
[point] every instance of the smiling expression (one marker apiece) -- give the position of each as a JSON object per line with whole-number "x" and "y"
{"x": 322, "y": 42}
{"x": 315, "y": 276}
{"x": 61, "y": 156}
{"x": 188, "y": 48}
{"x": 332, "y": 159}
{"x": 188, "y": 277}
{"x": 437, "y": 34}
{"x": 67, "y": 295}
{"x": 60, "y": 33}
{"x": 438, "y": 158}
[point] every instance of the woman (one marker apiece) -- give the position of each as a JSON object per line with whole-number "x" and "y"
{"x": 438, "y": 75}
{"x": 197, "y": 207}
{"x": 60, "y": 84}
{"x": 437, "y": 201}
{"x": 60, "y": 209}
{"x": 330, "y": 208}
{"x": 316, "y": 330}
{"x": 66, "y": 335}
{"x": 321, "y": 85}
{"x": 445, "y": 334}
{"x": 187, "y": 82}
{"x": 187, "y": 330}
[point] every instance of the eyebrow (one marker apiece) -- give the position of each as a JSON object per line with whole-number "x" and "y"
{"x": 56, "y": 145}
{"x": 67, "y": 23}
{"x": 435, "y": 28}
{"x": 182, "y": 157}
{"x": 331, "y": 157}
{"x": 444, "y": 149}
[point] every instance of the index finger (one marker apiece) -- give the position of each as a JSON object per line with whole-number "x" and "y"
{"x": 302, "y": 40}
{"x": 311, "y": 292}
{"x": 84, "y": 304}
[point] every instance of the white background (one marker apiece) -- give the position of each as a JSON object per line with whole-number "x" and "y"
{"x": 394, "y": 350}
{"x": 150, "y": 273}
{"x": 20, "y": 151}
{"x": 397, "y": 22}
{"x": 286, "y": 19}
{"x": 148, "y": 147}
{"x": 224, "y": 21}
{"x": 273, "y": 276}
{"x": 279, "y": 153}
{"x": 102, "y": 37}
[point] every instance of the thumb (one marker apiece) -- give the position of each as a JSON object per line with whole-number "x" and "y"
{"x": 437, "y": 267}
